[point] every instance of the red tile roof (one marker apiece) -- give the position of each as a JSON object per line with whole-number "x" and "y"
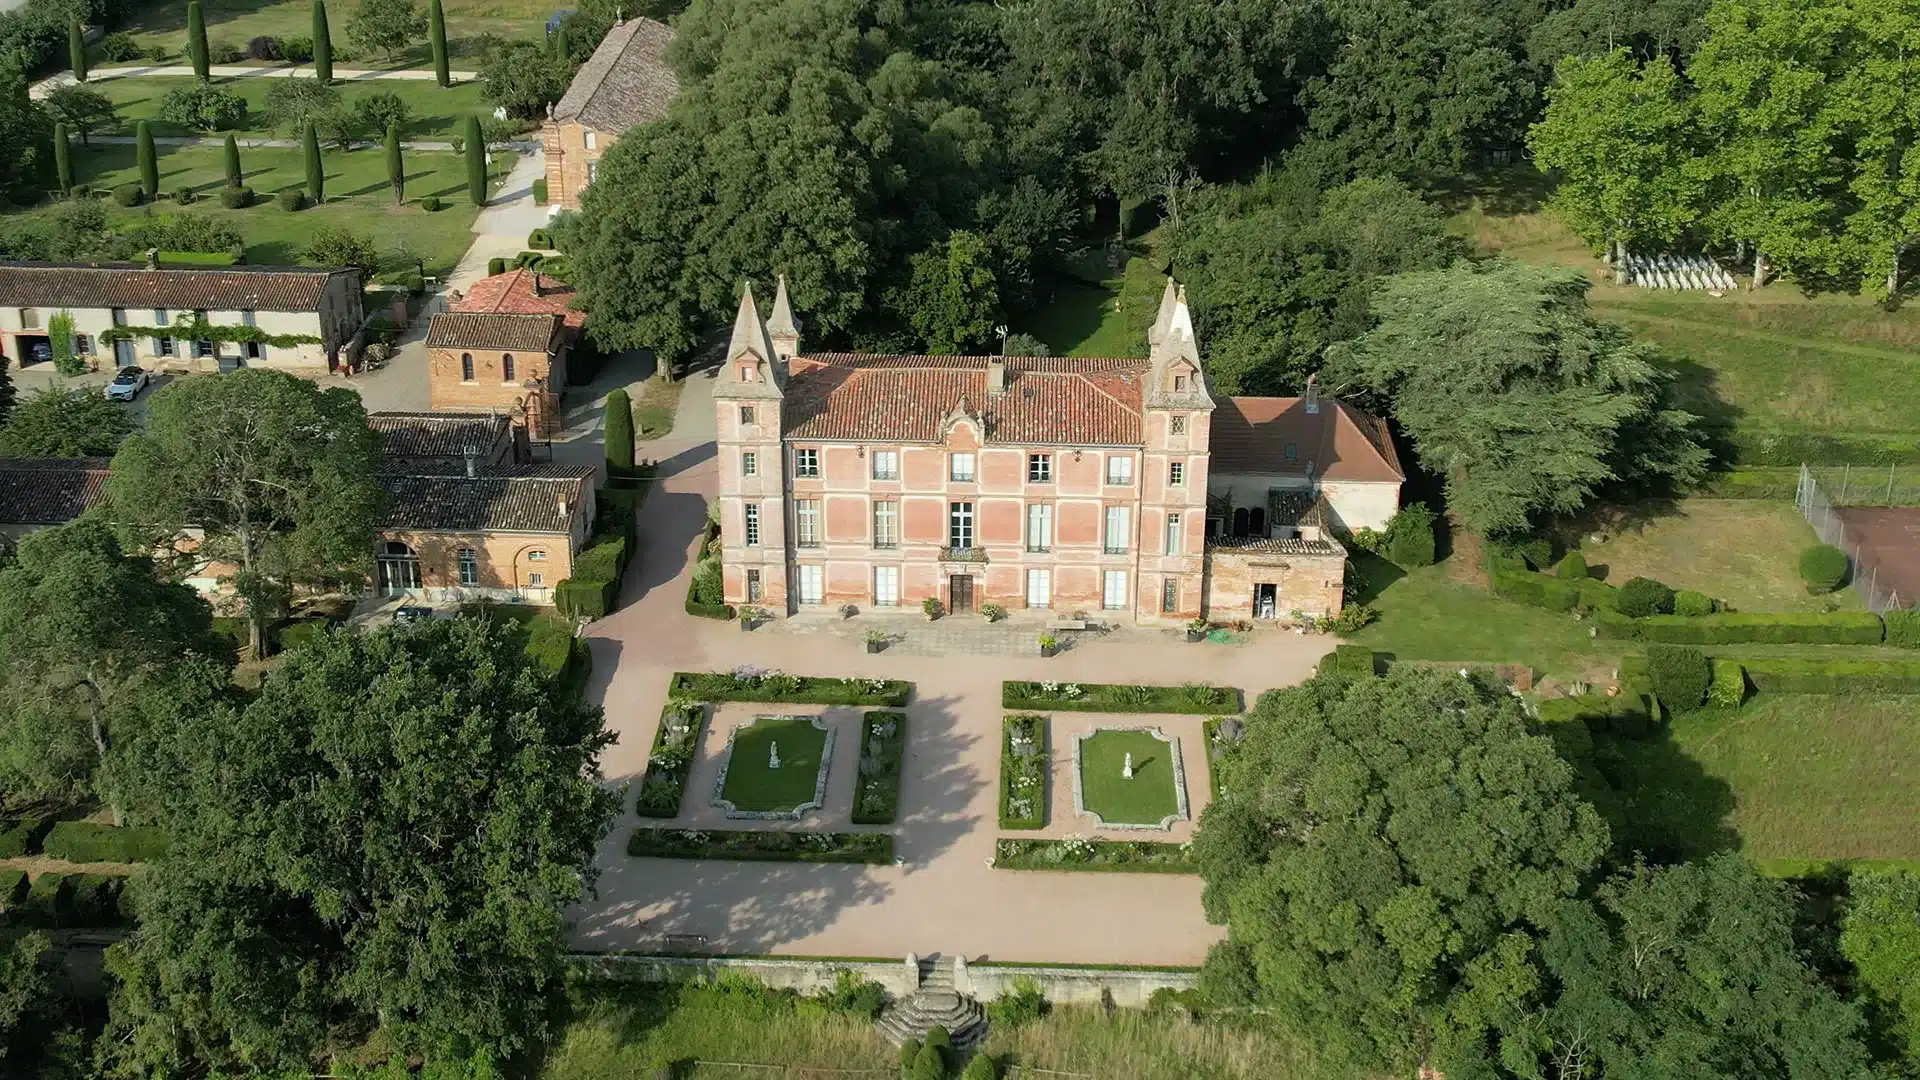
{"x": 1252, "y": 435}
{"x": 511, "y": 293}
{"x": 1062, "y": 401}
{"x": 204, "y": 288}
{"x": 516, "y": 333}
{"x": 50, "y": 491}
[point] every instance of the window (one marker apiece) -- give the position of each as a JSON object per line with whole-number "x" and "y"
{"x": 1113, "y": 596}
{"x": 466, "y": 367}
{"x": 1119, "y": 469}
{"x": 753, "y": 586}
{"x": 1173, "y": 534}
{"x": 1039, "y": 588}
{"x": 246, "y": 319}
{"x": 593, "y": 170}
{"x": 506, "y": 367}
{"x": 886, "y": 465}
{"x": 810, "y": 581}
{"x": 1115, "y": 537}
{"x": 163, "y": 346}
{"x": 752, "y": 514}
{"x": 592, "y": 141}
{"x": 886, "y": 586}
{"x": 806, "y": 463}
{"x": 82, "y": 345}
{"x": 202, "y": 348}
{"x": 746, "y": 414}
{"x": 1176, "y": 473}
{"x": 1040, "y": 468}
{"x": 536, "y": 555}
{"x": 960, "y": 467}
{"x": 886, "y": 524}
{"x": 535, "y": 579}
{"x": 160, "y": 317}
{"x": 469, "y": 567}
{"x": 29, "y": 318}
{"x": 749, "y": 463}
{"x": 960, "y": 525}
{"x": 119, "y": 316}
{"x": 806, "y": 522}
{"x": 1169, "y": 596}
{"x": 1039, "y": 526}
{"x": 1179, "y": 425}
{"x": 1179, "y": 383}
{"x": 1293, "y": 452}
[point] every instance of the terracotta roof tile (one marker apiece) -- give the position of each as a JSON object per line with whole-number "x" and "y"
{"x": 522, "y": 333}
{"x": 1278, "y": 436}
{"x": 511, "y": 293}
{"x": 1267, "y": 545}
{"x": 416, "y": 434}
{"x": 50, "y": 491}
{"x": 519, "y": 499}
{"x": 111, "y": 285}
{"x": 625, "y": 82}
{"x": 1067, "y": 401}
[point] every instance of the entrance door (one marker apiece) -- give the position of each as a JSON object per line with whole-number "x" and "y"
{"x": 399, "y": 569}
{"x": 1264, "y": 601}
{"x": 961, "y": 590}
{"x": 123, "y": 353}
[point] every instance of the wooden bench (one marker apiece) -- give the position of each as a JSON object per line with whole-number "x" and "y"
{"x": 1067, "y": 624}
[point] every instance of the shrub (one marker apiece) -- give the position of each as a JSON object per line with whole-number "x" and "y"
{"x": 1688, "y": 602}
{"x": 297, "y": 49}
{"x": 1809, "y": 675}
{"x": 291, "y": 199}
{"x": 264, "y": 47}
{"x": 157, "y": 53}
{"x": 47, "y": 898}
{"x": 1023, "y": 771}
{"x": 1641, "y": 597}
{"x": 1734, "y": 628}
{"x": 909, "y": 1050}
{"x": 1572, "y": 568}
{"x": 432, "y": 204}
{"x": 12, "y": 884}
{"x": 129, "y": 195}
{"x": 1409, "y": 536}
{"x": 1729, "y": 686}
{"x": 496, "y": 266}
{"x": 932, "y": 608}
{"x": 852, "y": 995}
{"x": 120, "y": 47}
{"x": 751, "y": 684}
{"x": 224, "y": 52}
{"x": 538, "y": 238}
{"x": 1187, "y": 698}
{"x": 1903, "y": 627}
{"x": 1823, "y": 567}
{"x": 1535, "y": 551}
{"x": 1024, "y": 1004}
{"x": 980, "y": 1068}
{"x": 1353, "y": 618}
{"x": 80, "y": 842}
{"x": 1681, "y": 675}
{"x": 540, "y": 191}
{"x": 1348, "y": 661}
{"x": 236, "y": 198}
{"x": 204, "y": 107}
{"x": 20, "y": 837}
{"x": 183, "y": 196}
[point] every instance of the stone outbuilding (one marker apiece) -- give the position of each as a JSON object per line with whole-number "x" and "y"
{"x": 625, "y": 82}
{"x": 503, "y": 347}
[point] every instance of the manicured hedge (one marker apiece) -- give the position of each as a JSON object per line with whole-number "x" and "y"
{"x": 1729, "y": 686}
{"x": 1630, "y": 713}
{"x": 1818, "y": 675}
{"x": 21, "y": 837}
{"x": 67, "y": 901}
{"x": 83, "y": 842}
{"x": 1023, "y": 771}
{"x": 1110, "y": 856}
{"x": 883, "y": 743}
{"x": 1350, "y": 661}
{"x": 664, "y": 784}
{"x": 1510, "y": 579}
{"x": 1784, "y": 628}
{"x": 753, "y": 684}
{"x": 1798, "y": 448}
{"x": 762, "y": 846}
{"x": 13, "y": 883}
{"x": 593, "y": 589}
{"x": 1903, "y": 627}
{"x": 1119, "y": 697}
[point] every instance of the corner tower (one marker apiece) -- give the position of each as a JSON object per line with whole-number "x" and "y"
{"x": 1176, "y": 426}
{"x": 748, "y": 400}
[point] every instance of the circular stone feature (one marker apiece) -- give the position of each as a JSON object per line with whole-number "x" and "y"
{"x": 776, "y": 765}
{"x": 1154, "y": 797}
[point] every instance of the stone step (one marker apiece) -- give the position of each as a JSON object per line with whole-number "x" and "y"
{"x": 914, "y": 1016}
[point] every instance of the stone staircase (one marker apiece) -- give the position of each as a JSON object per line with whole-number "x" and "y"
{"x": 937, "y": 1002}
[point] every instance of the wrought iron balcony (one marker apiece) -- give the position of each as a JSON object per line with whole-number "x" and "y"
{"x": 963, "y": 554}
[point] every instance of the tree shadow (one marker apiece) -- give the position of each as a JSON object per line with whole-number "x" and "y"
{"x": 1664, "y": 805}
{"x": 1373, "y": 575}
{"x": 1501, "y": 191}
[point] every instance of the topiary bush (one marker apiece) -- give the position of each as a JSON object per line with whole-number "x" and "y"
{"x": 432, "y": 204}
{"x": 291, "y": 199}
{"x": 1689, "y": 602}
{"x": 909, "y": 1051}
{"x": 1572, "y": 568}
{"x": 540, "y": 191}
{"x": 1641, "y": 597}
{"x": 1680, "y": 674}
{"x": 1903, "y": 627}
{"x": 980, "y": 1068}
{"x": 1823, "y": 567}
{"x": 1409, "y": 536}
{"x": 129, "y": 195}
{"x": 236, "y": 198}
{"x": 1729, "y": 687}
{"x": 496, "y": 266}
{"x": 539, "y": 238}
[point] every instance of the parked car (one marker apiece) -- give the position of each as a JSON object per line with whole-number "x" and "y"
{"x": 42, "y": 352}
{"x": 127, "y": 384}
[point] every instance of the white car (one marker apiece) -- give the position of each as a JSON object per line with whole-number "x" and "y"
{"x": 127, "y": 384}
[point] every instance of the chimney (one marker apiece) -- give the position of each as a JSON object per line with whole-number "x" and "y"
{"x": 473, "y": 462}
{"x": 565, "y": 506}
{"x": 1312, "y": 398}
{"x": 996, "y": 376}
{"x": 153, "y": 258}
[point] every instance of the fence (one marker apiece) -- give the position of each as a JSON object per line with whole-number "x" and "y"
{"x": 1818, "y": 510}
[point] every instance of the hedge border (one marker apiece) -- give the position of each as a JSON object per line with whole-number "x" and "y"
{"x": 1043, "y": 733}
{"x": 1003, "y": 860}
{"x": 1105, "y": 697}
{"x": 814, "y": 690}
{"x": 644, "y": 843}
{"x": 83, "y": 842}
{"x": 678, "y": 773}
{"x": 1743, "y": 628}
{"x": 889, "y": 777}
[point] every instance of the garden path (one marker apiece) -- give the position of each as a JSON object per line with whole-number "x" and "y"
{"x": 241, "y": 71}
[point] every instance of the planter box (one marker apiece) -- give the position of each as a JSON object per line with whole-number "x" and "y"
{"x": 1049, "y": 650}
{"x": 875, "y": 646}
{"x": 1196, "y": 636}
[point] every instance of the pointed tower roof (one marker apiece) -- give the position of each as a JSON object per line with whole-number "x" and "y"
{"x": 782, "y": 321}
{"x": 1168, "y": 298}
{"x": 749, "y": 331}
{"x": 1173, "y": 330}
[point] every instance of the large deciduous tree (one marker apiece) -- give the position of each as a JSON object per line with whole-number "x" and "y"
{"x": 276, "y": 474}
{"x": 1383, "y": 851}
{"x": 65, "y": 423}
{"x": 81, "y": 108}
{"x": 951, "y": 301}
{"x": 1880, "y": 935}
{"x": 1517, "y": 396}
{"x": 388, "y": 834}
{"x": 385, "y": 26}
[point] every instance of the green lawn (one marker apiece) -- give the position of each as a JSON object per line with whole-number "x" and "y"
{"x": 1100, "y": 318}
{"x": 1146, "y": 799}
{"x": 164, "y": 23}
{"x": 1742, "y": 551}
{"x": 1786, "y": 776}
{"x": 752, "y": 782}
{"x": 437, "y": 113}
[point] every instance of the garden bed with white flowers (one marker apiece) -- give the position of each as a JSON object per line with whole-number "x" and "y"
{"x": 1080, "y": 853}
{"x": 1119, "y": 697}
{"x": 748, "y": 683}
{"x": 1023, "y": 772}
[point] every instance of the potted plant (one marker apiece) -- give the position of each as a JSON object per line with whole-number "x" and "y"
{"x": 931, "y": 605}
{"x": 749, "y": 617}
{"x": 876, "y": 641}
{"x": 1197, "y": 629}
{"x": 1049, "y": 645}
{"x": 993, "y": 612}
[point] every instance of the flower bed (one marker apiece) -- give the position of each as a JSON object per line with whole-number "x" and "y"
{"x": 883, "y": 741}
{"x": 1223, "y": 733}
{"x": 665, "y": 783}
{"x": 1119, "y": 697}
{"x": 749, "y": 683}
{"x": 1023, "y": 772}
{"x": 761, "y": 846}
{"x": 1079, "y": 853}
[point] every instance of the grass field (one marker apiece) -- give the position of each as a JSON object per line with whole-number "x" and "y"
{"x": 1107, "y": 317}
{"x": 752, "y": 782}
{"x": 164, "y": 23}
{"x": 1786, "y": 776}
{"x": 1146, "y": 799}
{"x": 437, "y": 113}
{"x": 1742, "y": 551}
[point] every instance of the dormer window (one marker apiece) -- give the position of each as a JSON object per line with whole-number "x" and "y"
{"x": 1179, "y": 384}
{"x": 746, "y": 372}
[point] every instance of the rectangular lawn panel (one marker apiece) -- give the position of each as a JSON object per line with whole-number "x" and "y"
{"x": 1023, "y": 772}
{"x": 754, "y": 784}
{"x": 768, "y": 845}
{"x": 1119, "y": 697}
{"x": 436, "y": 113}
{"x": 235, "y": 21}
{"x": 883, "y": 741}
{"x": 1742, "y": 551}
{"x": 1146, "y": 799}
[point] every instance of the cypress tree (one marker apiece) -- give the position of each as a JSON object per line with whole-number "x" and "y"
{"x": 62, "y": 158}
{"x": 616, "y": 431}
{"x": 322, "y": 43}
{"x": 396, "y": 172}
{"x": 143, "y": 155}
{"x": 437, "y": 36}
{"x": 77, "y": 50}
{"x": 316, "y": 173}
{"x": 235, "y": 178}
{"x": 476, "y": 163}
{"x": 197, "y": 39}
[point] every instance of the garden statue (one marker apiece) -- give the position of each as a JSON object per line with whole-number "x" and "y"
{"x": 1126, "y": 768}
{"x": 773, "y": 756}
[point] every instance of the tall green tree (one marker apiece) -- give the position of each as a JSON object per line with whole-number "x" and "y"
{"x": 396, "y": 169}
{"x": 437, "y": 39}
{"x": 952, "y": 302}
{"x": 476, "y": 146}
{"x": 1623, "y": 139}
{"x": 197, "y": 40}
{"x": 1515, "y": 394}
{"x": 322, "y": 44}
{"x": 617, "y": 432}
{"x": 277, "y": 473}
{"x": 25, "y": 137}
{"x": 63, "y": 423}
{"x": 1876, "y": 109}
{"x": 146, "y": 160}
{"x": 62, "y": 158}
{"x": 231, "y": 151}
{"x": 1383, "y": 852}
{"x": 387, "y": 26}
{"x": 90, "y": 631}
{"x": 316, "y": 168}
{"x": 77, "y": 50}
{"x": 388, "y": 834}
{"x": 1880, "y": 935}
{"x": 81, "y": 108}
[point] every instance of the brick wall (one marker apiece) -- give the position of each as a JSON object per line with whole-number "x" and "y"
{"x": 568, "y": 158}
{"x": 1302, "y": 582}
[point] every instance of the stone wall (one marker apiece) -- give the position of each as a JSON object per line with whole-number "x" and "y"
{"x": 1060, "y": 985}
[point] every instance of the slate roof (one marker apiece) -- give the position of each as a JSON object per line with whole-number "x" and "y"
{"x": 625, "y": 82}
{"x": 50, "y": 491}
{"x": 514, "y": 499}
{"x": 200, "y": 288}
{"x": 511, "y": 293}
{"x": 1251, "y": 436}
{"x": 447, "y": 435}
{"x": 1267, "y": 545}
{"x": 1060, "y": 401}
{"x": 513, "y": 333}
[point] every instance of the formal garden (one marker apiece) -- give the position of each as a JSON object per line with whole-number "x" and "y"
{"x": 1129, "y": 778}
{"x": 775, "y": 767}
